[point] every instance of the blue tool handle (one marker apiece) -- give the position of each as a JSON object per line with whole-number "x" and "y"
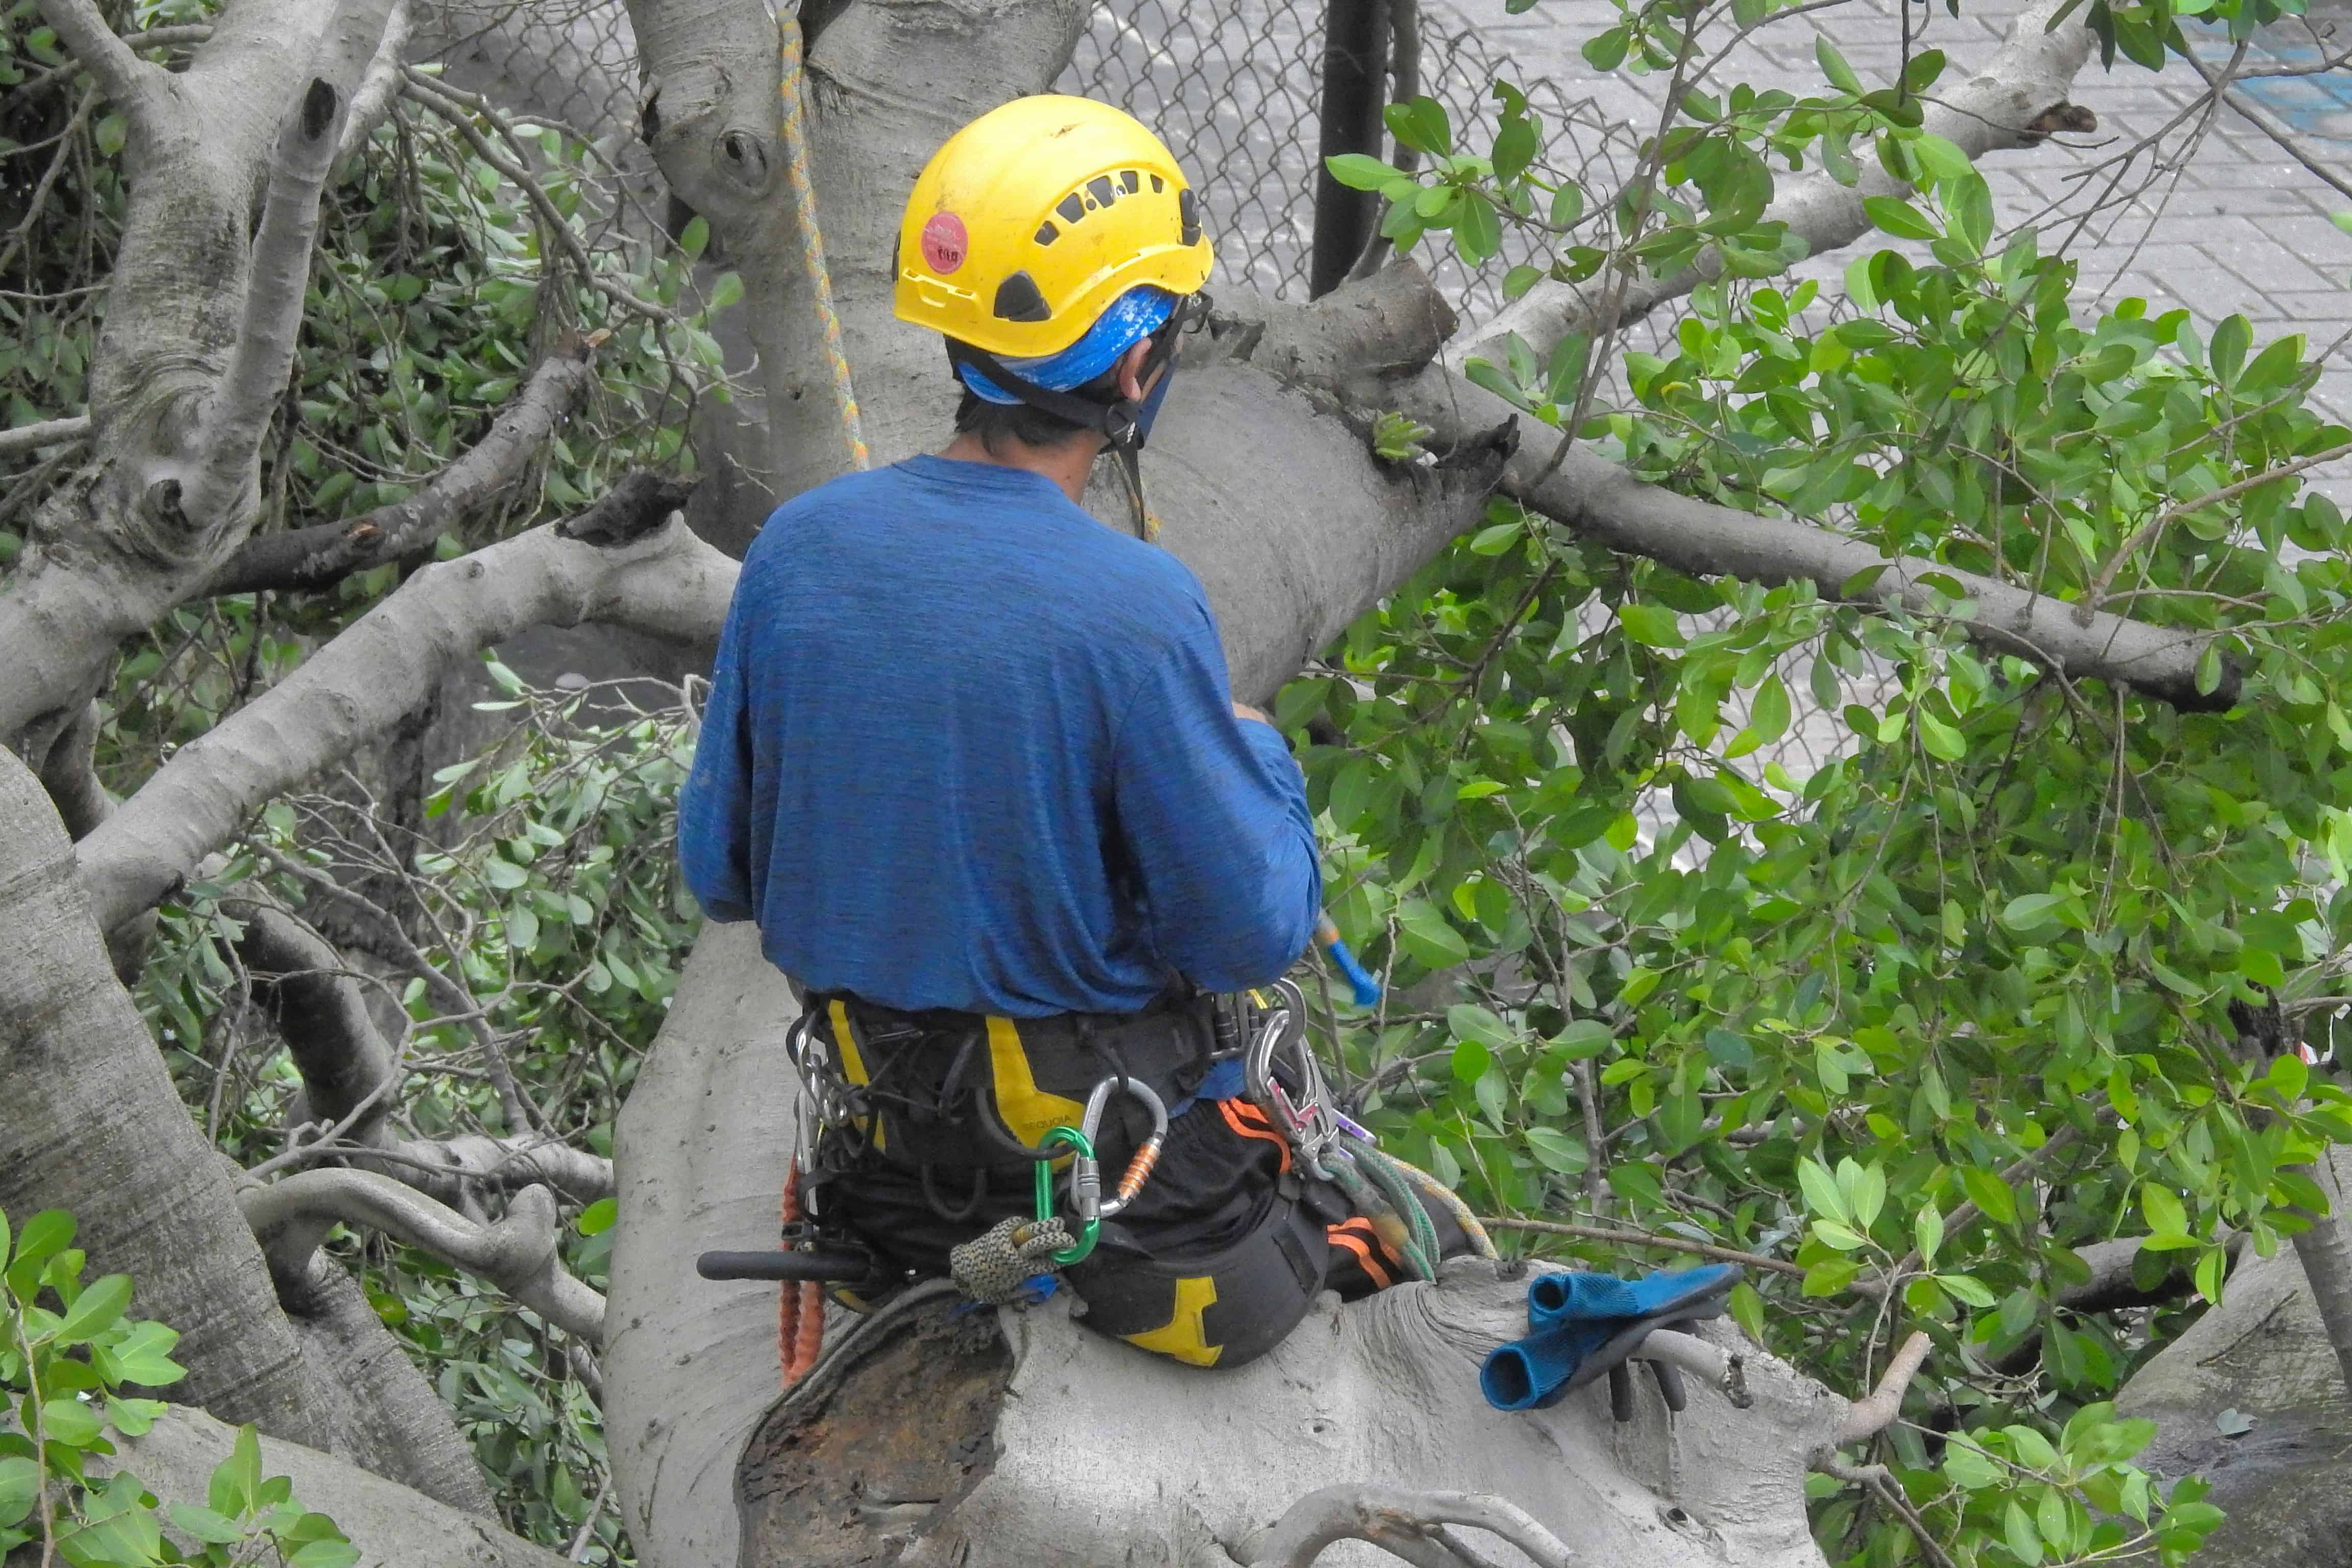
{"x": 1367, "y": 989}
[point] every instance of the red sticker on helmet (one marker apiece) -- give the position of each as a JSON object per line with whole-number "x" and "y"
{"x": 945, "y": 243}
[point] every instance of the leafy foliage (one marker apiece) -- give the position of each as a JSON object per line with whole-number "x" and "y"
{"x": 2008, "y": 963}
{"x": 68, "y": 1349}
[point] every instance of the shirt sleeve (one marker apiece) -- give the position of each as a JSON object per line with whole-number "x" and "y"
{"x": 1212, "y": 810}
{"x": 714, "y": 839}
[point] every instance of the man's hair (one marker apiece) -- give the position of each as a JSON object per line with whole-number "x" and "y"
{"x": 995, "y": 422}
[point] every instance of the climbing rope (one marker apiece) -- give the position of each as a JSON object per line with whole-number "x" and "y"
{"x": 800, "y": 1304}
{"x": 1481, "y": 1244}
{"x": 794, "y": 129}
{"x": 995, "y": 1266}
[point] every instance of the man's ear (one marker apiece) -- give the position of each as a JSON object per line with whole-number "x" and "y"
{"x": 1130, "y": 371}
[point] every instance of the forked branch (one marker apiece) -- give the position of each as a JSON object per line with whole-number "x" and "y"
{"x": 1408, "y": 1524}
{"x": 292, "y": 1215}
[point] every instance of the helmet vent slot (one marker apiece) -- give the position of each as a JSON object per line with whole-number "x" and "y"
{"x": 1099, "y": 188}
{"x": 1018, "y": 299}
{"x": 1072, "y": 207}
{"x": 1047, "y": 234}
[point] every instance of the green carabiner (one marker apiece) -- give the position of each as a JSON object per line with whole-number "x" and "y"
{"x": 1084, "y": 1148}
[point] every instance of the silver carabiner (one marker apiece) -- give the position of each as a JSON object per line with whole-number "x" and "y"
{"x": 1138, "y": 1168}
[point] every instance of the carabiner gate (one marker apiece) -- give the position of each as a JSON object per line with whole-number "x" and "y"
{"x": 1147, "y": 1155}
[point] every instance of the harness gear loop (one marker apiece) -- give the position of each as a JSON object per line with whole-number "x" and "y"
{"x": 1086, "y": 1189}
{"x": 794, "y": 131}
{"x": 1147, "y": 1155}
{"x": 996, "y": 1266}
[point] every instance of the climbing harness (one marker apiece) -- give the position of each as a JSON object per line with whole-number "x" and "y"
{"x": 794, "y": 134}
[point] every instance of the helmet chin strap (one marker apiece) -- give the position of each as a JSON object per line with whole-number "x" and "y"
{"x": 1122, "y": 423}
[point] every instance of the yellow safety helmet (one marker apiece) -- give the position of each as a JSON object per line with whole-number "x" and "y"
{"x": 1034, "y": 218}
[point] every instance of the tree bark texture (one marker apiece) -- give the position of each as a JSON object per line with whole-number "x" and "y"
{"x": 394, "y": 1525}
{"x": 94, "y": 1124}
{"x": 1095, "y": 1453}
{"x": 2017, "y": 100}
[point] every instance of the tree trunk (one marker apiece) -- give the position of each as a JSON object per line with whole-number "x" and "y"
{"x": 94, "y": 1125}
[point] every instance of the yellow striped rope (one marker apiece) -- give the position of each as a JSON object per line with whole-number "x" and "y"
{"x": 796, "y": 174}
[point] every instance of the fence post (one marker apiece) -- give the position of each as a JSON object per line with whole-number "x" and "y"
{"x": 1354, "y": 88}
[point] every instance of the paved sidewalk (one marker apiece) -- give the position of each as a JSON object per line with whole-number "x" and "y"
{"x": 2238, "y": 226}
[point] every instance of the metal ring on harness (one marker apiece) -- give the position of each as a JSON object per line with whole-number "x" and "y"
{"x": 1308, "y": 1121}
{"x": 1083, "y": 1170}
{"x": 1138, "y": 1168}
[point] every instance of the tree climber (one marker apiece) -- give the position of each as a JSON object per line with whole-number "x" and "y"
{"x": 972, "y": 762}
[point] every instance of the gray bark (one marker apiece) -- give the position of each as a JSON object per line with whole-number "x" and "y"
{"x": 1095, "y": 1454}
{"x": 293, "y": 1214}
{"x": 2253, "y": 1397}
{"x": 94, "y": 1125}
{"x": 394, "y": 1525}
{"x": 2017, "y": 100}
{"x": 1600, "y": 500}
{"x": 383, "y": 667}
{"x": 384, "y": 1413}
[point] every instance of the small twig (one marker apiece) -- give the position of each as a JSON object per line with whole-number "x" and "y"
{"x": 1645, "y": 1238}
{"x": 2092, "y": 600}
{"x": 577, "y": 1551}
{"x": 1880, "y": 1481}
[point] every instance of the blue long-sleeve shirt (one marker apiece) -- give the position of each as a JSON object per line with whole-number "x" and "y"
{"x": 966, "y": 747}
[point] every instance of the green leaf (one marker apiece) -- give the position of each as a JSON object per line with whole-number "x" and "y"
{"x": 1428, "y": 937}
{"x": 1900, "y": 218}
{"x": 237, "y": 1478}
{"x": 1422, "y": 124}
{"x": 1583, "y": 1038}
{"x": 1991, "y": 1194}
{"x": 2167, "y": 1217}
{"x": 110, "y": 132}
{"x": 205, "y": 1524}
{"x": 142, "y": 1356}
{"x": 71, "y": 1421}
{"x": 20, "y": 1485}
{"x": 598, "y": 1217}
{"x": 1767, "y": 713}
{"x": 1477, "y": 232}
{"x": 324, "y": 1554}
{"x": 1839, "y": 74}
{"x": 1653, "y": 626}
{"x": 1556, "y": 1152}
{"x": 2227, "y": 352}
{"x": 1361, "y": 171}
{"x": 1942, "y": 741}
{"x": 98, "y": 1309}
{"x": 724, "y": 291}
{"x": 1728, "y": 1050}
{"x": 1820, "y": 1189}
{"x": 44, "y": 1235}
{"x": 1928, "y": 1233}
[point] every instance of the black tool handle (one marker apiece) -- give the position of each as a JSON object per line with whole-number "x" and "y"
{"x": 821, "y": 1265}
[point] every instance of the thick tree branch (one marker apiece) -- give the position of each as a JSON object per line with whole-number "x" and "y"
{"x": 619, "y": 561}
{"x": 2019, "y": 100}
{"x": 47, "y": 433}
{"x": 323, "y": 554}
{"x": 1869, "y": 1415}
{"x": 134, "y": 86}
{"x": 518, "y": 1254}
{"x": 371, "y": 102}
{"x": 1598, "y": 498}
{"x": 1406, "y": 1524}
{"x": 394, "y": 1526}
{"x": 280, "y": 272}
{"x": 300, "y": 980}
{"x": 94, "y": 1125}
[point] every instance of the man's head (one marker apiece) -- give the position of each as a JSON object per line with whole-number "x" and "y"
{"x": 1058, "y": 247}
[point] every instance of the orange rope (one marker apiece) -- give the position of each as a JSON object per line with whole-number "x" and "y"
{"x": 800, "y": 1303}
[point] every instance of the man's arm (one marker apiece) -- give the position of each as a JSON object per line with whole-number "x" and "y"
{"x": 714, "y": 840}
{"x": 1213, "y": 813}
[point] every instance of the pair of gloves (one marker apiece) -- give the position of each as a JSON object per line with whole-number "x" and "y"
{"x": 1582, "y": 1327}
